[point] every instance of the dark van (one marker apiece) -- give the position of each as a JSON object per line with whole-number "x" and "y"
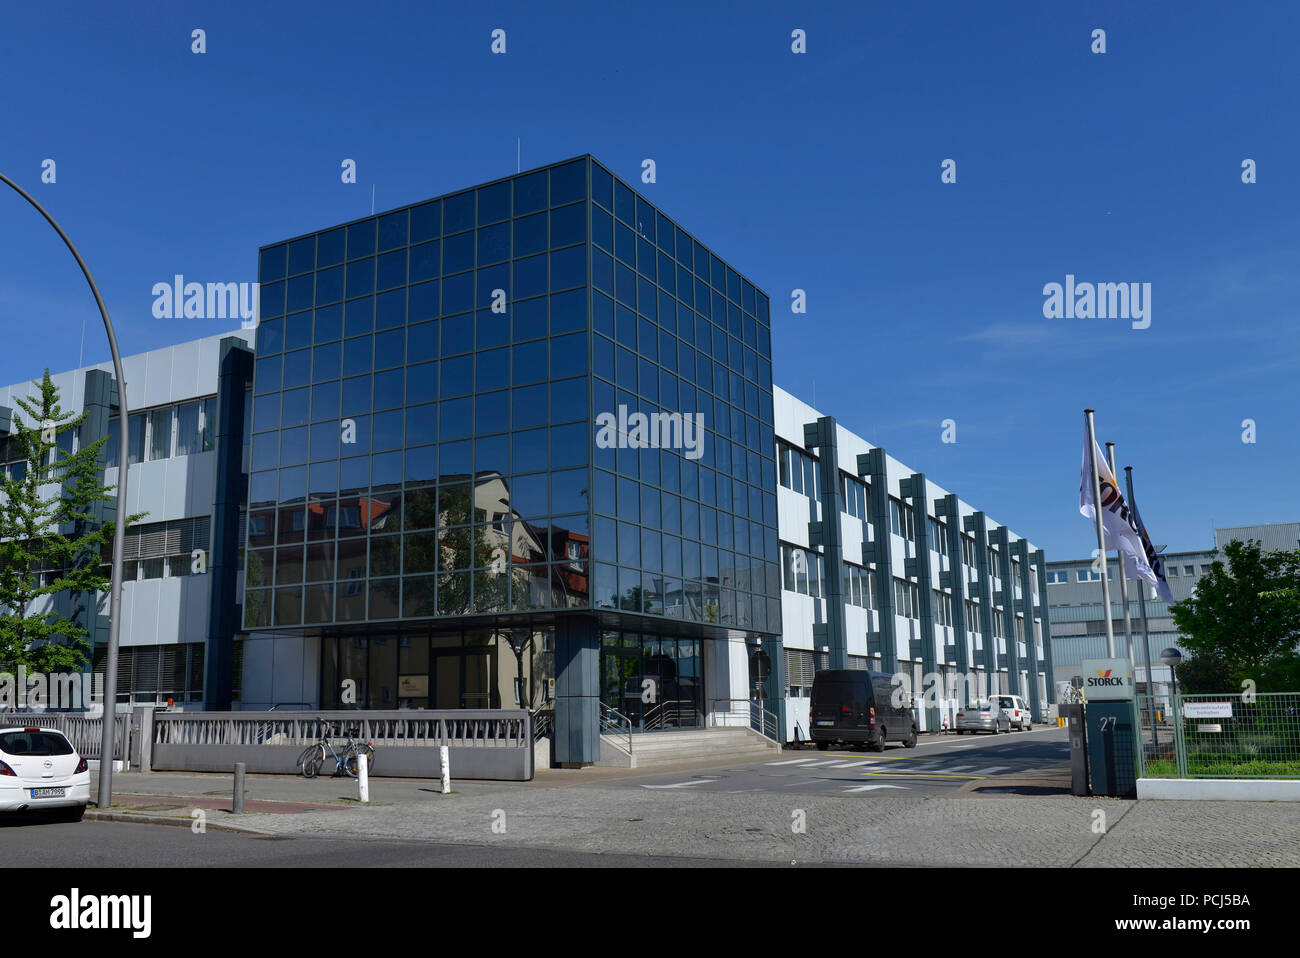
{"x": 855, "y": 707}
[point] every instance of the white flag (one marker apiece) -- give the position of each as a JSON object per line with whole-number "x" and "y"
{"x": 1121, "y": 530}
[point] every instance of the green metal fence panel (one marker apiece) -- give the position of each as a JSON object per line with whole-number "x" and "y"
{"x": 1233, "y": 736}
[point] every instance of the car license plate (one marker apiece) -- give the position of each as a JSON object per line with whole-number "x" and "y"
{"x": 826, "y": 722}
{"x": 49, "y": 792}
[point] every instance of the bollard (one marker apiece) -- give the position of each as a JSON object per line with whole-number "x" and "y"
{"x": 445, "y": 754}
{"x": 239, "y": 788}
{"x": 363, "y": 777}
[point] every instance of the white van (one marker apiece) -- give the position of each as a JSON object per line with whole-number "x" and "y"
{"x": 1016, "y": 710}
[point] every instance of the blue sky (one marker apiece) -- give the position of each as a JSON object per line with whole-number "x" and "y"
{"x": 818, "y": 171}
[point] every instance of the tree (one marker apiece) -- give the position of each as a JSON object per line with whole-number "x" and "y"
{"x": 51, "y": 536}
{"x": 1205, "y": 672}
{"x": 1246, "y": 614}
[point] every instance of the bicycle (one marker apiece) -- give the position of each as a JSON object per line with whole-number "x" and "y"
{"x": 345, "y": 762}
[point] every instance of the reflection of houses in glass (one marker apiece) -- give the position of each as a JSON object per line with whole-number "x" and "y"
{"x": 568, "y": 576}
{"x": 441, "y": 460}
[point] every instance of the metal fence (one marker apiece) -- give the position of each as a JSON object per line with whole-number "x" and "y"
{"x": 466, "y": 728}
{"x": 84, "y": 732}
{"x": 1228, "y": 736}
{"x": 482, "y": 743}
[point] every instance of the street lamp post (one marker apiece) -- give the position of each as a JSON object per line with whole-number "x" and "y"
{"x": 115, "y": 593}
{"x": 1171, "y": 657}
{"x": 521, "y": 639}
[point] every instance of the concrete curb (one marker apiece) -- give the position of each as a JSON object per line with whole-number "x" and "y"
{"x": 1220, "y": 789}
{"x": 95, "y": 815}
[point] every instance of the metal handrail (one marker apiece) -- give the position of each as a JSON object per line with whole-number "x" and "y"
{"x": 543, "y": 721}
{"x": 659, "y": 715}
{"x": 613, "y": 720}
{"x": 761, "y": 720}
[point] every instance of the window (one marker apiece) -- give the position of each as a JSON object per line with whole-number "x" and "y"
{"x": 942, "y": 608}
{"x": 1172, "y": 572}
{"x": 195, "y": 426}
{"x": 1189, "y": 570}
{"x": 901, "y": 520}
{"x": 1088, "y": 575}
{"x": 1057, "y": 576}
{"x": 160, "y": 433}
{"x": 938, "y": 536}
{"x": 1205, "y": 570}
{"x": 166, "y": 431}
{"x": 798, "y": 470}
{"x": 859, "y": 586}
{"x": 135, "y": 438}
{"x": 856, "y": 495}
{"x": 801, "y": 570}
{"x": 906, "y": 599}
{"x": 187, "y": 428}
{"x": 155, "y": 550}
{"x": 800, "y": 666}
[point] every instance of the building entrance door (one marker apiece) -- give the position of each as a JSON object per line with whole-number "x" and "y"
{"x": 654, "y": 680}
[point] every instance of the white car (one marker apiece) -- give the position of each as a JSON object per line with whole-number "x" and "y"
{"x": 41, "y": 771}
{"x": 1016, "y": 710}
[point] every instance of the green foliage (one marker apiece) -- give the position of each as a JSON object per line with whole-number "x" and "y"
{"x": 1245, "y": 615}
{"x": 50, "y": 522}
{"x": 1204, "y": 672}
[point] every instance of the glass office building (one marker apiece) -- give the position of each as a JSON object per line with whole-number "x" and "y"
{"x": 453, "y": 488}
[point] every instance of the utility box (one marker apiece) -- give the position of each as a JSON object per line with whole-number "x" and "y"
{"x": 1112, "y": 731}
{"x": 1112, "y": 739}
{"x": 1073, "y": 717}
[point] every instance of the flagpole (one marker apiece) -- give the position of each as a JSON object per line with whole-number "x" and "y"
{"x": 1142, "y": 610}
{"x": 1101, "y": 534}
{"x": 1123, "y": 575}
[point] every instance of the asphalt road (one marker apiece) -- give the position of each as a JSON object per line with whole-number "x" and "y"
{"x": 35, "y": 843}
{"x": 937, "y": 765}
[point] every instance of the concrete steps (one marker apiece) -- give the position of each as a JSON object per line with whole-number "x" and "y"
{"x": 665, "y": 748}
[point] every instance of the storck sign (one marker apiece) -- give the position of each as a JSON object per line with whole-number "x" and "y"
{"x": 1107, "y": 680}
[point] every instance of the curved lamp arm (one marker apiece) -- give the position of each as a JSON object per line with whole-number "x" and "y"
{"x": 115, "y": 595}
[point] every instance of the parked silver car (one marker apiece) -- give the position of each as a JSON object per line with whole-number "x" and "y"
{"x": 982, "y": 717}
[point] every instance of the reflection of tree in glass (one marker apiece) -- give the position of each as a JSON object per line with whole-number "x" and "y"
{"x": 631, "y": 600}
{"x": 255, "y": 602}
{"x": 473, "y": 573}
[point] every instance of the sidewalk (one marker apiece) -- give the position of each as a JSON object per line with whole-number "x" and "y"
{"x": 582, "y": 813}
